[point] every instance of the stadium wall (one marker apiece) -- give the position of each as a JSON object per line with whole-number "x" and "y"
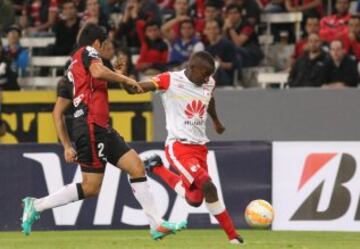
{"x": 281, "y": 115}
{"x": 28, "y": 116}
{"x": 241, "y": 170}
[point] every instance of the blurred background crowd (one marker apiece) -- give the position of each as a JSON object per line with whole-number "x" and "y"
{"x": 309, "y": 43}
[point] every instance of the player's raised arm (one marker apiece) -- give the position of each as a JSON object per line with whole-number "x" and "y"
{"x": 218, "y": 126}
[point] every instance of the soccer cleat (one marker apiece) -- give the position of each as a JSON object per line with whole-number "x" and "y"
{"x": 167, "y": 228}
{"x": 237, "y": 240}
{"x": 152, "y": 162}
{"x": 30, "y": 215}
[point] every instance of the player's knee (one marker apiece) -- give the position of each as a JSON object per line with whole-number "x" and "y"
{"x": 210, "y": 191}
{"x": 194, "y": 204}
{"x": 90, "y": 189}
{"x": 209, "y": 187}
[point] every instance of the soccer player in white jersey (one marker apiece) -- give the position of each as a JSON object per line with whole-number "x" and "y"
{"x": 187, "y": 98}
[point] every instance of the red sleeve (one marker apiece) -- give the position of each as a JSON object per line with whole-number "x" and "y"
{"x": 140, "y": 29}
{"x": 162, "y": 81}
{"x": 142, "y": 56}
{"x": 165, "y": 57}
{"x": 356, "y": 49}
{"x": 247, "y": 30}
{"x": 53, "y": 6}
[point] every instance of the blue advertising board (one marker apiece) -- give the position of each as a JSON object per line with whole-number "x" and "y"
{"x": 241, "y": 171}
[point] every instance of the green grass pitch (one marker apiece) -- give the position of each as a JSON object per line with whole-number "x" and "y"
{"x": 188, "y": 239}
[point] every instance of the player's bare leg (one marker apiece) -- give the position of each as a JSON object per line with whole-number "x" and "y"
{"x": 90, "y": 186}
{"x": 131, "y": 163}
{"x": 218, "y": 210}
{"x": 155, "y": 165}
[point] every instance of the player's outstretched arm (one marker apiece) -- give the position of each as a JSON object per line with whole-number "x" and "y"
{"x": 61, "y": 105}
{"x": 99, "y": 71}
{"x": 219, "y": 127}
{"x": 147, "y": 86}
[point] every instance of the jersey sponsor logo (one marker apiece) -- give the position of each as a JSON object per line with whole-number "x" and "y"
{"x": 92, "y": 52}
{"x": 195, "y": 168}
{"x": 79, "y": 113}
{"x": 78, "y": 100}
{"x": 195, "y": 109}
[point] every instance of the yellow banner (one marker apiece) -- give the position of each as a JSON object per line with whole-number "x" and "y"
{"x": 28, "y": 116}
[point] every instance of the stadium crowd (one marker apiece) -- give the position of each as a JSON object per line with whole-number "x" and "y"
{"x": 162, "y": 34}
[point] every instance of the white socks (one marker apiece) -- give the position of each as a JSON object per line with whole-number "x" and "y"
{"x": 215, "y": 208}
{"x": 68, "y": 193}
{"x": 143, "y": 195}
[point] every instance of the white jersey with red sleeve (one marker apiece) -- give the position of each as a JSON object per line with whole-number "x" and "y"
{"x": 185, "y": 106}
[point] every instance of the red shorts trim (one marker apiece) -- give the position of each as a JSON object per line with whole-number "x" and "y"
{"x": 190, "y": 161}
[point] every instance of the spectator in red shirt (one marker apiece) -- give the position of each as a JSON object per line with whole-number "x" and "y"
{"x": 243, "y": 36}
{"x": 165, "y": 4}
{"x": 331, "y": 27}
{"x": 312, "y": 26}
{"x": 135, "y": 10}
{"x": 351, "y": 40}
{"x": 308, "y": 7}
{"x": 39, "y": 16}
{"x": 154, "y": 51}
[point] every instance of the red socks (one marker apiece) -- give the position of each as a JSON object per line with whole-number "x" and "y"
{"x": 167, "y": 175}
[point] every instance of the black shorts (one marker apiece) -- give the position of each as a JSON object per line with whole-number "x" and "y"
{"x": 95, "y": 146}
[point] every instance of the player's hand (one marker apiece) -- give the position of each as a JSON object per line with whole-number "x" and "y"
{"x": 133, "y": 84}
{"x": 219, "y": 127}
{"x": 70, "y": 155}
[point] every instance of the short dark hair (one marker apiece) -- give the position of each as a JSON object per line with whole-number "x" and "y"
{"x": 66, "y": 2}
{"x": 213, "y": 4}
{"x": 205, "y": 57}
{"x": 312, "y": 16}
{"x": 90, "y": 33}
{"x": 151, "y": 24}
{"x": 186, "y": 21}
{"x": 234, "y": 7}
{"x": 218, "y": 23}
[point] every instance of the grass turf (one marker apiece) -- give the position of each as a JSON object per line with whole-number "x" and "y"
{"x": 189, "y": 239}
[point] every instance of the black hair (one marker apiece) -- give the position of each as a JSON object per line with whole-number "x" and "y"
{"x": 214, "y": 4}
{"x": 313, "y": 16}
{"x": 67, "y": 1}
{"x": 151, "y": 24}
{"x": 90, "y": 33}
{"x": 205, "y": 57}
{"x": 234, "y": 7}
{"x": 218, "y": 23}
{"x": 186, "y": 21}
